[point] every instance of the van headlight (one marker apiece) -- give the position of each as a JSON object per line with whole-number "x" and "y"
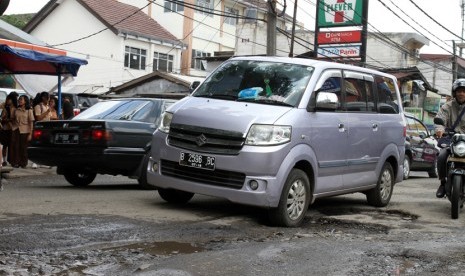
{"x": 459, "y": 149}
{"x": 165, "y": 122}
{"x": 268, "y": 135}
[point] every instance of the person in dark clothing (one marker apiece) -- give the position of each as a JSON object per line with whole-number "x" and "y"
{"x": 450, "y": 114}
{"x": 68, "y": 109}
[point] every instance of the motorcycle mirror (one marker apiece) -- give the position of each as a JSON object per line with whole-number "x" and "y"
{"x": 438, "y": 121}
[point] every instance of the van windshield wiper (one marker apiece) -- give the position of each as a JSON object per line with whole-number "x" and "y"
{"x": 218, "y": 96}
{"x": 264, "y": 101}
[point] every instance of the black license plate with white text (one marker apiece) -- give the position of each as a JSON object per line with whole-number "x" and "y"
{"x": 197, "y": 161}
{"x": 66, "y": 138}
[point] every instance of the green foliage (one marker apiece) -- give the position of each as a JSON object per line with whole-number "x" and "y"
{"x": 17, "y": 20}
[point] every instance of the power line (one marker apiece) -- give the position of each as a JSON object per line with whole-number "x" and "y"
{"x": 416, "y": 22}
{"x": 435, "y": 21}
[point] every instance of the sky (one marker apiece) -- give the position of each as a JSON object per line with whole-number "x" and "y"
{"x": 447, "y": 13}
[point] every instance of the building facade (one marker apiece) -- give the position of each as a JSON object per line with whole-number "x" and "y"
{"x": 119, "y": 41}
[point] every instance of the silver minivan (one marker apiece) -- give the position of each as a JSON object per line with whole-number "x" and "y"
{"x": 279, "y": 133}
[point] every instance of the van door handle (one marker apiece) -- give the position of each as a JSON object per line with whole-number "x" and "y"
{"x": 375, "y": 127}
{"x": 341, "y": 128}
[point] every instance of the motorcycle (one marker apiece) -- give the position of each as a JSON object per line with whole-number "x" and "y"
{"x": 455, "y": 169}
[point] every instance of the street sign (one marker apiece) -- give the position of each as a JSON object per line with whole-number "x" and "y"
{"x": 339, "y": 51}
{"x": 339, "y": 37}
{"x": 335, "y": 13}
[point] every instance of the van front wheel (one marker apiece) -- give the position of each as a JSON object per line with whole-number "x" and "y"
{"x": 380, "y": 195}
{"x": 294, "y": 200}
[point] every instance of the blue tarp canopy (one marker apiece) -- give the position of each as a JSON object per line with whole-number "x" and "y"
{"x": 22, "y": 61}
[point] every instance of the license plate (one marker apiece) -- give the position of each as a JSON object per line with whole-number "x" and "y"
{"x": 197, "y": 161}
{"x": 66, "y": 138}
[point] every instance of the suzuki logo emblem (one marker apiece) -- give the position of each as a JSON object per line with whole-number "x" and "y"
{"x": 201, "y": 140}
{"x": 65, "y": 125}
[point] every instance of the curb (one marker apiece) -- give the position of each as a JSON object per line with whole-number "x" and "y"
{"x": 9, "y": 172}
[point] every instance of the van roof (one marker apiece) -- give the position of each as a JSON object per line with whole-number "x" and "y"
{"x": 313, "y": 62}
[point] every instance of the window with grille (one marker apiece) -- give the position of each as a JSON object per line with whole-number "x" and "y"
{"x": 205, "y": 7}
{"x": 174, "y": 6}
{"x": 135, "y": 58}
{"x": 162, "y": 62}
{"x": 197, "y": 62}
{"x": 230, "y": 12}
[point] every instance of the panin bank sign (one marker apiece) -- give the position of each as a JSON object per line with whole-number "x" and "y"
{"x": 339, "y": 51}
{"x": 335, "y": 13}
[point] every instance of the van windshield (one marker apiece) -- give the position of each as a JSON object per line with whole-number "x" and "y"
{"x": 262, "y": 82}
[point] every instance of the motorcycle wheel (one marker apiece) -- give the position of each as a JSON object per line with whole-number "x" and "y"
{"x": 455, "y": 195}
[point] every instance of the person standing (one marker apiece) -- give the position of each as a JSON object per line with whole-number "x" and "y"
{"x": 24, "y": 119}
{"x": 11, "y": 103}
{"x": 68, "y": 110}
{"x": 53, "y": 103}
{"x": 42, "y": 109}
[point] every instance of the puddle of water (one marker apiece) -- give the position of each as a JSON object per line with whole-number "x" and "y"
{"x": 160, "y": 248}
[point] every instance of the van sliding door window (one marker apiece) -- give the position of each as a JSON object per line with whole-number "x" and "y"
{"x": 358, "y": 92}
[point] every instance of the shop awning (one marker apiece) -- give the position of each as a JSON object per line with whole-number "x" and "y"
{"x": 24, "y": 61}
{"x": 408, "y": 74}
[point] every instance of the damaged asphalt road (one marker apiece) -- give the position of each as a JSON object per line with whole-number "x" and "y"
{"x": 48, "y": 227}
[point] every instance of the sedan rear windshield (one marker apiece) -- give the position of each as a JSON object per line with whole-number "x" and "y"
{"x": 261, "y": 82}
{"x": 137, "y": 110}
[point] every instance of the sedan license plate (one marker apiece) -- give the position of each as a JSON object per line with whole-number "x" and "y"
{"x": 66, "y": 138}
{"x": 197, "y": 161}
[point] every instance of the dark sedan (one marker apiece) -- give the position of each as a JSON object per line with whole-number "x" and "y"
{"x": 111, "y": 137}
{"x": 421, "y": 148}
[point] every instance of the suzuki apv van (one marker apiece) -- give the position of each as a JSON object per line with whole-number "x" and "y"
{"x": 280, "y": 133}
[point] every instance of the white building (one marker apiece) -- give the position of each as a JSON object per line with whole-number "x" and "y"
{"x": 208, "y": 26}
{"x": 119, "y": 41}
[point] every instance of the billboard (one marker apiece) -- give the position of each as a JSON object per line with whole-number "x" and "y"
{"x": 336, "y": 13}
{"x": 339, "y": 37}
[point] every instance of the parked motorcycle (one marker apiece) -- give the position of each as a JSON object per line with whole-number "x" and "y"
{"x": 455, "y": 169}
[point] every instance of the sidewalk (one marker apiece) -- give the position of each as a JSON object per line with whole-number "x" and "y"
{"x": 9, "y": 172}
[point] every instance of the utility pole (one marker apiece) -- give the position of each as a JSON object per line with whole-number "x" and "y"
{"x": 271, "y": 29}
{"x": 462, "y": 8}
{"x": 291, "y": 51}
{"x": 454, "y": 62}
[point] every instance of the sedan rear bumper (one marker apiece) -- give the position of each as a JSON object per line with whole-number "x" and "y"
{"x": 100, "y": 160}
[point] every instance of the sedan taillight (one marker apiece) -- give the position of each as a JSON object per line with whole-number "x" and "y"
{"x": 37, "y": 134}
{"x": 101, "y": 135}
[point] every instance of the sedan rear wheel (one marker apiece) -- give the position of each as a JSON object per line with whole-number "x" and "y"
{"x": 79, "y": 178}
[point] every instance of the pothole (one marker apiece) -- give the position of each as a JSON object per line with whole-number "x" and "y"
{"x": 159, "y": 248}
{"x": 374, "y": 213}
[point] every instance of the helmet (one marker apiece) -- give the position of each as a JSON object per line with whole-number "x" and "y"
{"x": 457, "y": 83}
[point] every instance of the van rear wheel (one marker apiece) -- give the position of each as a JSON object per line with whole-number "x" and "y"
{"x": 294, "y": 201}
{"x": 380, "y": 195}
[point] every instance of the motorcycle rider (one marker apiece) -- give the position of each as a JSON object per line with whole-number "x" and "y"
{"x": 449, "y": 112}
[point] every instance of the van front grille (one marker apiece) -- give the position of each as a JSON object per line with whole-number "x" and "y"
{"x": 206, "y": 140}
{"x": 222, "y": 178}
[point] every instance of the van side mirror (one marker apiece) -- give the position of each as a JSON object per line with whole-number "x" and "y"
{"x": 326, "y": 101}
{"x": 193, "y": 86}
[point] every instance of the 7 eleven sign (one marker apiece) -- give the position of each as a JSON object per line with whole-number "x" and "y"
{"x": 335, "y": 13}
